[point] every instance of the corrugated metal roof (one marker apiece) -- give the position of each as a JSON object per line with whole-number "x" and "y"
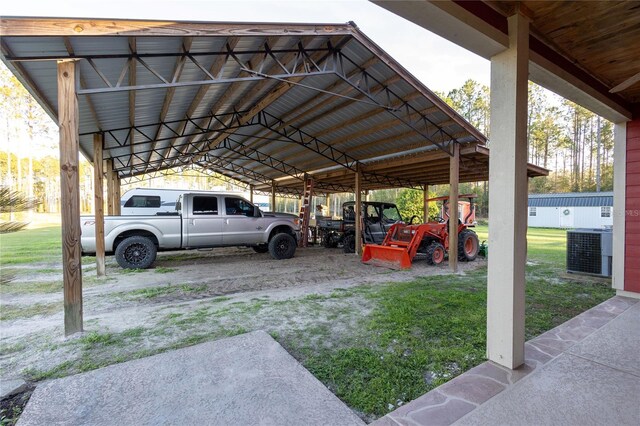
{"x": 278, "y": 99}
{"x": 572, "y": 199}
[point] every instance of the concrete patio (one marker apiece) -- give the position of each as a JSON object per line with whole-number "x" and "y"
{"x": 243, "y": 380}
{"x": 583, "y": 372}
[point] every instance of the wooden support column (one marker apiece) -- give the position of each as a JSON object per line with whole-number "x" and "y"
{"x": 328, "y": 202}
{"x": 273, "y": 196}
{"x": 98, "y": 203}
{"x": 358, "y": 211}
{"x": 251, "y": 193}
{"x": 508, "y": 198}
{"x": 70, "y": 196}
{"x": 454, "y": 176}
{"x": 110, "y": 187}
{"x": 425, "y": 206}
{"x": 117, "y": 210}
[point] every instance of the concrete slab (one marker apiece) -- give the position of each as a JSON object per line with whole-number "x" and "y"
{"x": 243, "y": 380}
{"x": 10, "y": 387}
{"x": 568, "y": 391}
{"x": 617, "y": 344}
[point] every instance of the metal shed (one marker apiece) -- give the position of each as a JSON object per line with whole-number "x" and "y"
{"x": 571, "y": 210}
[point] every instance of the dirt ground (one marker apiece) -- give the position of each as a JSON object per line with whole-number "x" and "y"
{"x": 225, "y": 285}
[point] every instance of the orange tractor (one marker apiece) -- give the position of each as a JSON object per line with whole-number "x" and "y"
{"x": 404, "y": 241}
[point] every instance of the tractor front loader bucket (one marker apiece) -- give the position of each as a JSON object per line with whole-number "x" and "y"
{"x": 386, "y": 256}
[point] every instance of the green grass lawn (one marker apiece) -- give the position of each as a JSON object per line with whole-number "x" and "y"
{"x": 418, "y": 335}
{"x": 31, "y": 245}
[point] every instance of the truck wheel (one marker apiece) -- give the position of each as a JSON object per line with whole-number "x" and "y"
{"x": 435, "y": 253}
{"x": 349, "y": 243}
{"x": 282, "y": 246}
{"x": 467, "y": 245}
{"x": 262, "y": 248}
{"x": 136, "y": 252}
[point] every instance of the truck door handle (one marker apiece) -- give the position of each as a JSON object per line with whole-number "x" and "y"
{"x": 193, "y": 221}
{"x": 226, "y": 221}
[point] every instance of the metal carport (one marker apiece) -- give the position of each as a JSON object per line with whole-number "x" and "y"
{"x": 263, "y": 104}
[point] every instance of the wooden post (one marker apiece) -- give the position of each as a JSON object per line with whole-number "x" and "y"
{"x": 251, "y": 193}
{"x": 70, "y": 196}
{"x": 328, "y": 202}
{"x": 358, "y": 211}
{"x": 116, "y": 195}
{"x": 425, "y": 207}
{"x": 454, "y": 175}
{"x": 98, "y": 203}
{"x": 273, "y": 196}
{"x": 110, "y": 187}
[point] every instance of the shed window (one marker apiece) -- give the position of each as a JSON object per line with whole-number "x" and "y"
{"x": 532, "y": 211}
{"x": 605, "y": 211}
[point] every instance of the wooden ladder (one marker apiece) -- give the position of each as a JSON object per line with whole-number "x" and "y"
{"x": 305, "y": 211}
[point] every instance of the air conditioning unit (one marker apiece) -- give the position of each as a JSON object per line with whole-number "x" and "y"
{"x": 590, "y": 251}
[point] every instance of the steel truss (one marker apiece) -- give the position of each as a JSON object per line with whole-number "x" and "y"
{"x": 332, "y": 61}
{"x": 380, "y": 94}
{"x": 231, "y": 121}
{"x": 191, "y": 136}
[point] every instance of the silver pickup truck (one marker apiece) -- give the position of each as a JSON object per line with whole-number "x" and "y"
{"x": 200, "y": 221}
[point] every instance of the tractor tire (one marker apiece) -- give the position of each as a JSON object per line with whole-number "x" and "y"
{"x": 282, "y": 246}
{"x": 262, "y": 248}
{"x": 435, "y": 253}
{"x": 349, "y": 243}
{"x": 136, "y": 252}
{"x": 468, "y": 245}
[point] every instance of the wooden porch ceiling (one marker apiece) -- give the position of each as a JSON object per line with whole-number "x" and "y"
{"x": 602, "y": 37}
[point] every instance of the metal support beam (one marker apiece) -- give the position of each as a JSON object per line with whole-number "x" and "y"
{"x": 454, "y": 178}
{"x": 70, "y": 196}
{"x": 358, "y": 211}
{"x": 251, "y": 193}
{"x": 98, "y": 186}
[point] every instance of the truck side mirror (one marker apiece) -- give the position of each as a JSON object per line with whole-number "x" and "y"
{"x": 256, "y": 211}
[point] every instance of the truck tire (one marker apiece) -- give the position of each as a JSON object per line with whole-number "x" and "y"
{"x": 467, "y": 245}
{"x": 136, "y": 252}
{"x": 435, "y": 253}
{"x": 282, "y": 246}
{"x": 349, "y": 243}
{"x": 262, "y": 248}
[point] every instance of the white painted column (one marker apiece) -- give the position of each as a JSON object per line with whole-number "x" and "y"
{"x": 619, "y": 204}
{"x": 508, "y": 198}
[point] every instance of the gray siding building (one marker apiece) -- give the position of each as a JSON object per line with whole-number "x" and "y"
{"x": 571, "y": 210}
